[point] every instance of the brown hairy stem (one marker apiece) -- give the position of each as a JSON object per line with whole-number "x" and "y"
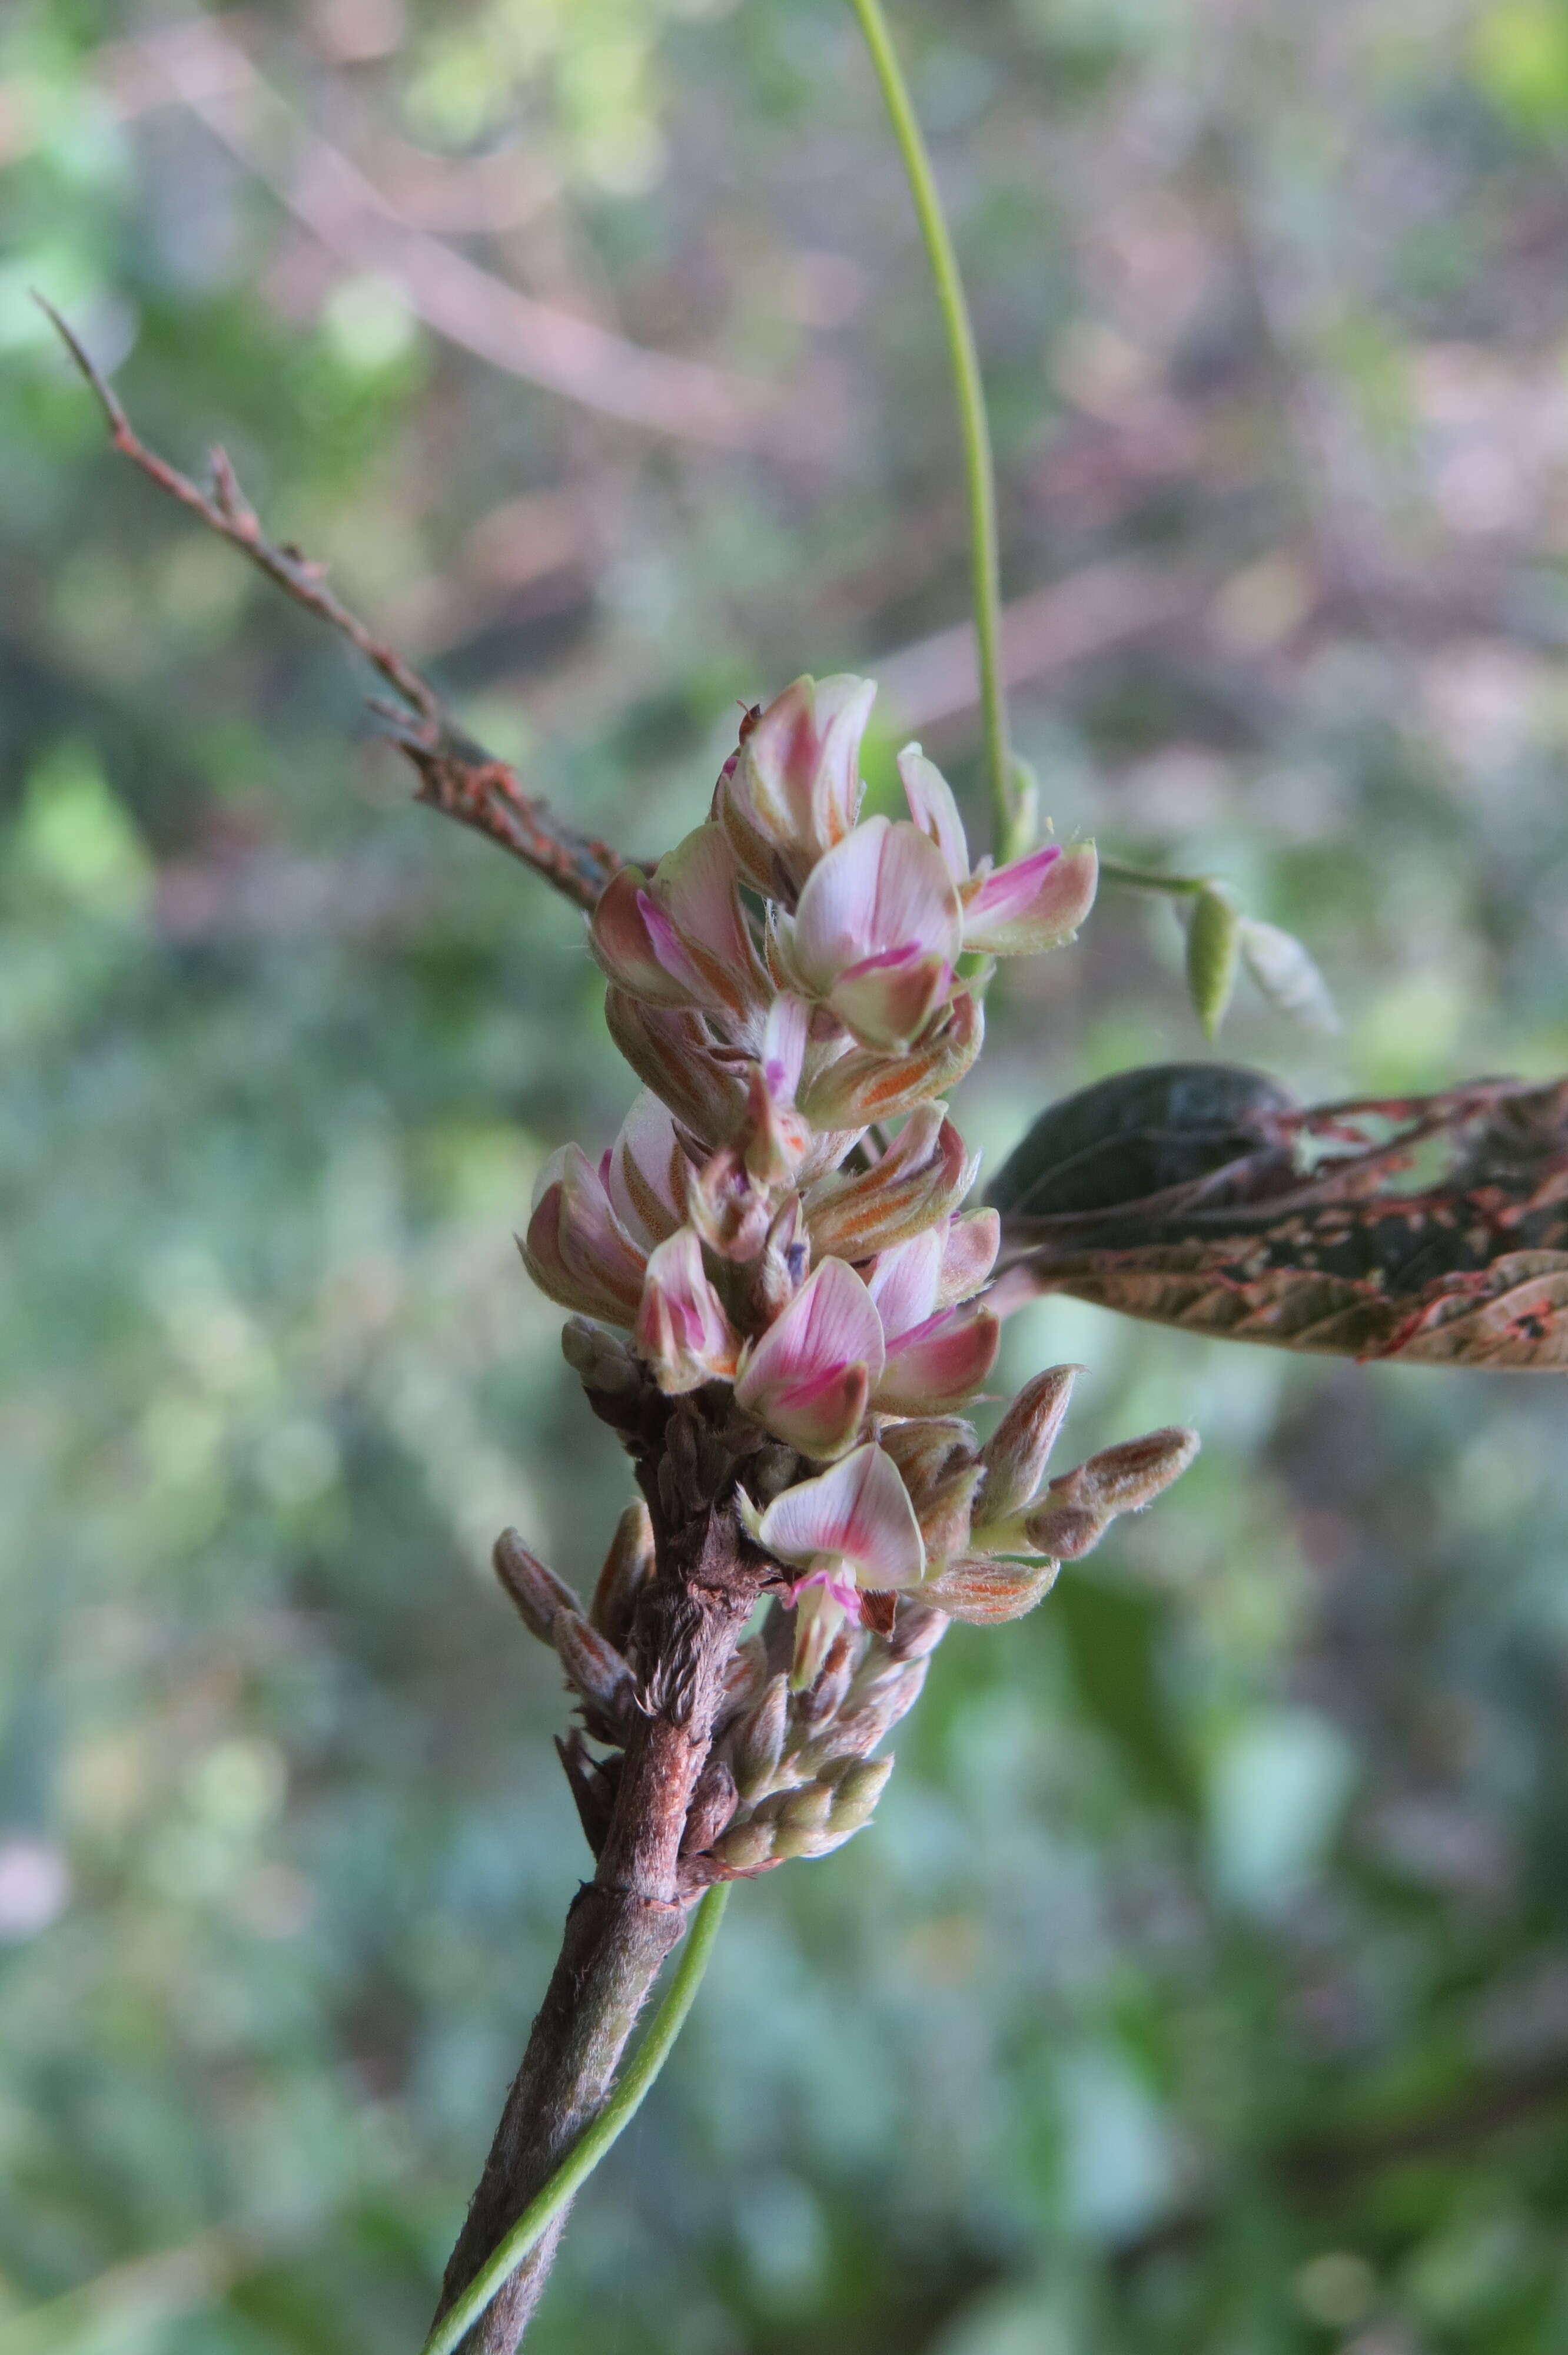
{"x": 623, "y": 1923}
{"x": 456, "y": 775}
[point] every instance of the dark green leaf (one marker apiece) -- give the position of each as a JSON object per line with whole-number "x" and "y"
{"x": 1432, "y": 1228}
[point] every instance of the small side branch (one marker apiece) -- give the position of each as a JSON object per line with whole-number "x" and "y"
{"x": 456, "y": 775}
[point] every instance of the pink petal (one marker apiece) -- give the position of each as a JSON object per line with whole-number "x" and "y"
{"x": 1036, "y": 903}
{"x": 695, "y": 888}
{"x": 784, "y": 1046}
{"x": 831, "y": 1323}
{"x": 970, "y": 1254}
{"x": 887, "y": 1001}
{"x": 857, "y": 1512}
{"x": 681, "y": 1329}
{"x": 795, "y": 790}
{"x": 934, "y": 810}
{"x": 576, "y": 1249}
{"x": 818, "y": 1413}
{"x": 886, "y": 887}
{"x": 638, "y": 946}
{"x": 939, "y": 1363}
{"x": 904, "y": 1282}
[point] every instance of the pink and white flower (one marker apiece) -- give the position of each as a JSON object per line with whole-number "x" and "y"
{"x": 851, "y": 1528}
{"x": 1035, "y": 903}
{"x": 810, "y": 1378}
{"x": 682, "y": 938}
{"x": 681, "y": 1329}
{"x": 793, "y": 790}
{"x": 576, "y": 1249}
{"x": 935, "y": 1356}
{"x": 877, "y": 932}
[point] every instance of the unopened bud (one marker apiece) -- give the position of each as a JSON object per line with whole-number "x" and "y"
{"x": 856, "y": 1793}
{"x": 746, "y": 1845}
{"x": 757, "y": 1744}
{"x": 712, "y": 1804}
{"x": 1124, "y": 1478}
{"x": 596, "y": 1671}
{"x": 984, "y": 1593}
{"x": 626, "y": 1565}
{"x": 1214, "y": 950}
{"x": 1016, "y": 1453}
{"x": 1065, "y": 1532}
{"x": 537, "y": 1593}
{"x": 601, "y": 1361}
{"x": 821, "y": 1700}
{"x": 916, "y": 1630}
{"x": 807, "y": 1809}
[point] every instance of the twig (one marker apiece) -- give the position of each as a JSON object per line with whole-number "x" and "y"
{"x": 608, "y": 2126}
{"x": 624, "y": 1923}
{"x": 456, "y": 775}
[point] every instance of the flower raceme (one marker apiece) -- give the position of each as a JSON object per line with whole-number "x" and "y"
{"x": 786, "y": 980}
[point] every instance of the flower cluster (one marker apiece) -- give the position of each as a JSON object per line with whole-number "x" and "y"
{"x": 790, "y": 979}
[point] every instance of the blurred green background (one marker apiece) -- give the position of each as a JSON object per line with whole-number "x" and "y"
{"x": 1202, "y": 1987}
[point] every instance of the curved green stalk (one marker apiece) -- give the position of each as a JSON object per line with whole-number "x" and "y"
{"x": 595, "y": 2139}
{"x": 1151, "y": 878}
{"x": 979, "y": 472}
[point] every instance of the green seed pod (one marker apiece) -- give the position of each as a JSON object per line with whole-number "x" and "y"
{"x": 1214, "y": 950}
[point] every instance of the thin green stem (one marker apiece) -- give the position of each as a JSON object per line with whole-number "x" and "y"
{"x": 596, "y": 2139}
{"x": 1150, "y": 878}
{"x": 974, "y": 427}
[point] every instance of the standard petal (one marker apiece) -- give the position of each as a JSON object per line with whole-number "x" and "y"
{"x": 795, "y": 789}
{"x": 832, "y": 1322}
{"x": 940, "y": 1363}
{"x": 672, "y": 1052}
{"x": 857, "y": 1512}
{"x": 886, "y": 887}
{"x": 904, "y": 1282}
{"x": 1036, "y": 903}
{"x": 934, "y": 810}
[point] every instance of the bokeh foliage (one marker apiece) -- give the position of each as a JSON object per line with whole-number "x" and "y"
{"x": 1203, "y": 1985}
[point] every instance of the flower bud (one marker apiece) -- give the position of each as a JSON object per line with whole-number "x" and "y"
{"x": 1016, "y": 1453}
{"x": 628, "y": 1563}
{"x": 682, "y": 1330}
{"x": 1124, "y": 1478}
{"x": 757, "y": 1743}
{"x": 916, "y": 1631}
{"x": 746, "y": 1847}
{"x": 865, "y": 1085}
{"x": 537, "y": 1593}
{"x": 597, "y": 1672}
{"x": 984, "y": 1593}
{"x": 856, "y": 1793}
{"x": 1065, "y": 1532}
{"x": 602, "y": 1361}
{"x": 713, "y": 1805}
